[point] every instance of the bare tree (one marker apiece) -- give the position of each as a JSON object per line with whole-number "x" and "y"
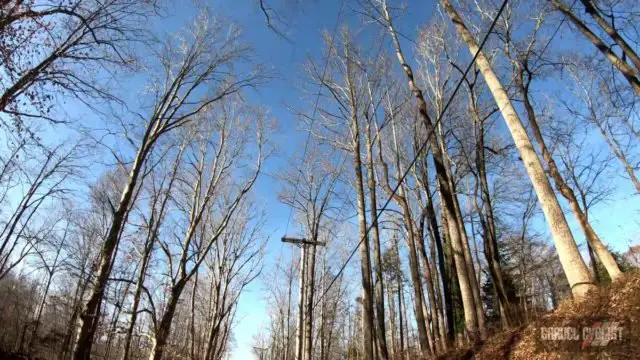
{"x": 31, "y": 177}
{"x": 621, "y": 65}
{"x": 573, "y": 264}
{"x": 54, "y": 47}
{"x": 348, "y": 98}
{"x": 606, "y": 117}
{"x": 52, "y": 259}
{"x": 527, "y": 66}
{"x": 215, "y": 176}
{"x": 465, "y": 271}
{"x": 194, "y": 74}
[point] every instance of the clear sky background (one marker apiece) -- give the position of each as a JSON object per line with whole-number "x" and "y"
{"x": 615, "y": 221}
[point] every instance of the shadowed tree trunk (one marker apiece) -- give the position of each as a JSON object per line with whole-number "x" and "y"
{"x": 446, "y": 193}
{"x": 629, "y": 74}
{"x": 591, "y": 9}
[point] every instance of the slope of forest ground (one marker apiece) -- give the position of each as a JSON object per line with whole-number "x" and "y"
{"x": 619, "y": 302}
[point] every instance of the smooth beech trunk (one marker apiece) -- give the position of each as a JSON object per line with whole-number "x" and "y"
{"x": 574, "y": 266}
{"x": 563, "y": 187}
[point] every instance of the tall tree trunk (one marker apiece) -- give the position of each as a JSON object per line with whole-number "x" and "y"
{"x": 377, "y": 257}
{"x": 146, "y": 256}
{"x": 487, "y": 221}
{"x": 365, "y": 257}
{"x": 471, "y": 318}
{"x": 563, "y": 187}
{"x": 572, "y": 262}
{"x": 84, "y": 341}
{"x": 164, "y": 326}
{"x": 622, "y": 66}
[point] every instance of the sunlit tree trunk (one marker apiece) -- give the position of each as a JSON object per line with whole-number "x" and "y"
{"x": 572, "y": 262}
{"x": 563, "y": 187}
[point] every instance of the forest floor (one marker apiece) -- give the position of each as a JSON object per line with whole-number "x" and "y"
{"x": 604, "y": 326}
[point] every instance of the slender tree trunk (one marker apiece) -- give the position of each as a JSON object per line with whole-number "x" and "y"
{"x": 471, "y": 318}
{"x": 622, "y": 66}
{"x": 572, "y": 262}
{"x": 84, "y": 341}
{"x": 164, "y": 326}
{"x": 563, "y": 187}
{"x": 365, "y": 258}
{"x": 377, "y": 257}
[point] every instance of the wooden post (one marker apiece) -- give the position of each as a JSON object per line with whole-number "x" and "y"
{"x": 300, "y": 331}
